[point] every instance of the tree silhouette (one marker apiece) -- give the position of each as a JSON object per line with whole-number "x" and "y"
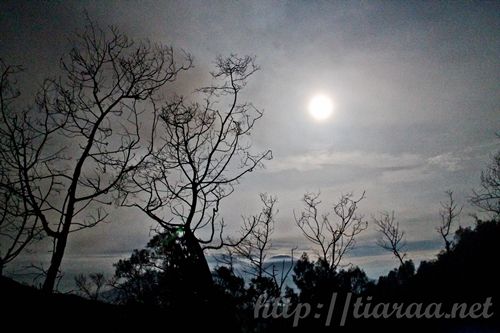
{"x": 254, "y": 250}
{"x": 229, "y": 282}
{"x": 204, "y": 151}
{"x": 311, "y": 277}
{"x": 467, "y": 267}
{"x": 18, "y": 226}
{"x": 90, "y": 286}
{"x": 317, "y": 281}
{"x": 71, "y": 151}
{"x": 449, "y": 213}
{"x": 260, "y": 228}
{"x": 487, "y": 197}
{"x": 162, "y": 274}
{"x": 396, "y": 280}
{"x": 333, "y": 238}
{"x": 136, "y": 279}
{"x": 392, "y": 237}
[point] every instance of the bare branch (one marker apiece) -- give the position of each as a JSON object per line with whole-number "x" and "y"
{"x": 449, "y": 213}
{"x": 334, "y": 232}
{"x": 487, "y": 197}
{"x": 90, "y": 288}
{"x": 392, "y": 237}
{"x": 254, "y": 249}
{"x": 18, "y": 225}
{"x": 203, "y": 152}
{"x": 77, "y": 146}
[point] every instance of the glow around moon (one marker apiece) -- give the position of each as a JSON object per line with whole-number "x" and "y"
{"x": 320, "y": 107}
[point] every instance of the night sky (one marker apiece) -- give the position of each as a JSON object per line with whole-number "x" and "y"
{"x": 414, "y": 87}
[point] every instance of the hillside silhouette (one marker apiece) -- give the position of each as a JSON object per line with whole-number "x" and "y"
{"x": 465, "y": 274}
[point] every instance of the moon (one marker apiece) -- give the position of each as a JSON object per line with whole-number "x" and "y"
{"x": 320, "y": 107}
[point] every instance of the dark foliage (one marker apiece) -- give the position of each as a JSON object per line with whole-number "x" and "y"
{"x": 464, "y": 274}
{"x": 159, "y": 292}
{"x": 164, "y": 274}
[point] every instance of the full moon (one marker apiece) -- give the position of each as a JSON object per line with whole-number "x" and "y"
{"x": 320, "y": 107}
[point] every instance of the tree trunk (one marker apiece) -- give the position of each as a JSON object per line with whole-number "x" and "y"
{"x": 55, "y": 263}
{"x": 401, "y": 261}
{"x": 447, "y": 244}
{"x": 201, "y": 273}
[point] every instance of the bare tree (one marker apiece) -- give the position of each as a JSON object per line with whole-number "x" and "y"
{"x": 83, "y": 136}
{"x": 90, "y": 287}
{"x": 392, "y": 237}
{"x": 487, "y": 197}
{"x": 260, "y": 228}
{"x": 204, "y": 151}
{"x": 449, "y": 213}
{"x": 334, "y": 238}
{"x": 256, "y": 246}
{"x": 18, "y": 228}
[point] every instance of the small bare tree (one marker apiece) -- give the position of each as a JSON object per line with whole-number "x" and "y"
{"x": 449, "y": 213}
{"x": 487, "y": 197}
{"x": 71, "y": 151}
{"x": 333, "y": 238}
{"x": 392, "y": 237}
{"x": 205, "y": 149}
{"x": 90, "y": 287}
{"x": 256, "y": 246}
{"x": 260, "y": 228}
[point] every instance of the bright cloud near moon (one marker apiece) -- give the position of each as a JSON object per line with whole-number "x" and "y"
{"x": 320, "y": 107}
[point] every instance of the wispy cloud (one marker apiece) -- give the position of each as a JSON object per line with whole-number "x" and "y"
{"x": 393, "y": 167}
{"x": 318, "y": 159}
{"x": 456, "y": 160}
{"x": 448, "y": 161}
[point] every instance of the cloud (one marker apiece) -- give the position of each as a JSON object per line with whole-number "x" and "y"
{"x": 448, "y": 161}
{"x": 393, "y": 168}
{"x": 457, "y": 160}
{"x": 318, "y": 159}
{"x": 418, "y": 173}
